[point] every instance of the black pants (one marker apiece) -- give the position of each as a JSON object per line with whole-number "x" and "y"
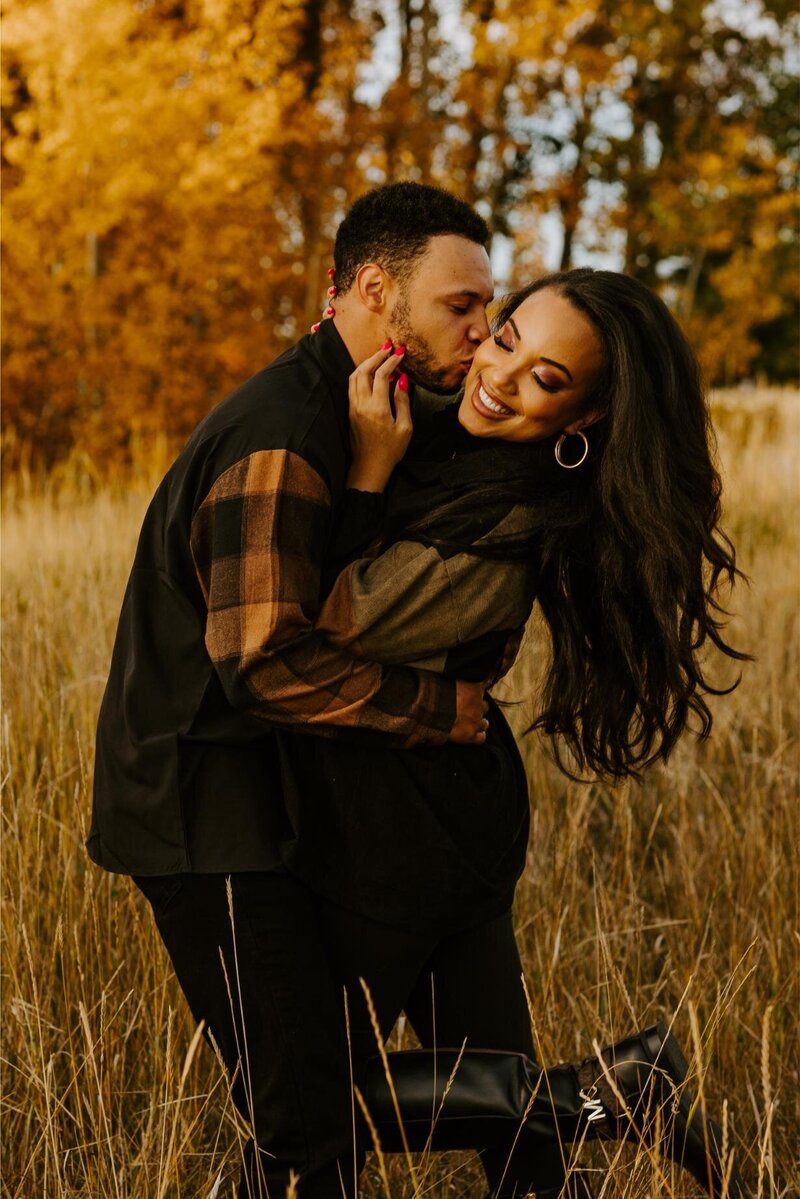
{"x": 270, "y": 986}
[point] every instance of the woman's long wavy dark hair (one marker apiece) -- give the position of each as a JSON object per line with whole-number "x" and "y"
{"x": 630, "y": 595}
{"x": 632, "y": 554}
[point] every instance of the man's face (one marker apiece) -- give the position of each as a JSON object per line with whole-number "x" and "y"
{"x": 439, "y": 313}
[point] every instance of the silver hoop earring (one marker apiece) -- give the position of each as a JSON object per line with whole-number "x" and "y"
{"x": 571, "y": 465}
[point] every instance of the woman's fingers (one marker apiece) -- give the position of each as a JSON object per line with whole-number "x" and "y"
{"x": 366, "y": 369}
{"x": 360, "y": 386}
{"x": 382, "y": 377}
{"x": 402, "y": 404}
{"x": 392, "y": 363}
{"x": 370, "y": 382}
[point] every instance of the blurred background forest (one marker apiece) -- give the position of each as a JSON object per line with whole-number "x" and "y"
{"x": 174, "y": 173}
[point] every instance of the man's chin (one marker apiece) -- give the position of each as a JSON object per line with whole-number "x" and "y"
{"x": 440, "y": 385}
{"x": 440, "y": 389}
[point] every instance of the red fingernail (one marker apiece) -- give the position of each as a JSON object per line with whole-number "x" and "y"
{"x": 329, "y": 311}
{"x": 331, "y": 271}
{"x": 402, "y": 382}
{"x": 333, "y": 291}
{"x": 400, "y": 350}
{"x": 387, "y": 345}
{"x": 315, "y": 326}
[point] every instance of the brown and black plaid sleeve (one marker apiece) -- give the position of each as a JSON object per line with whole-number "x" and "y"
{"x": 411, "y": 604}
{"x": 258, "y": 541}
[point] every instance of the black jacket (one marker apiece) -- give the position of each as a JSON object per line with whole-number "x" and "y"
{"x": 216, "y": 646}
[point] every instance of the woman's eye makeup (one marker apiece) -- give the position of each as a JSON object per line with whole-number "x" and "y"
{"x": 504, "y": 339}
{"x": 547, "y": 380}
{"x": 546, "y": 377}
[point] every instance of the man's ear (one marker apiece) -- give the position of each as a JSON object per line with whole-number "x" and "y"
{"x": 372, "y": 287}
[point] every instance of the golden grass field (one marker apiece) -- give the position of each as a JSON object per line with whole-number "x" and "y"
{"x": 675, "y": 899}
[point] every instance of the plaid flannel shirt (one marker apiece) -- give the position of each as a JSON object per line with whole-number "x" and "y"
{"x": 258, "y": 541}
{"x": 217, "y": 641}
{"x": 412, "y": 603}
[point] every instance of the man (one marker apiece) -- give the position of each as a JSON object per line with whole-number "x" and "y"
{"x": 216, "y": 646}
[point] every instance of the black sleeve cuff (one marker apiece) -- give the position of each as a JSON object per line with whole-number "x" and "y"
{"x": 359, "y": 524}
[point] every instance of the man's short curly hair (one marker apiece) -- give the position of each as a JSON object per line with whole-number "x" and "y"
{"x": 392, "y": 226}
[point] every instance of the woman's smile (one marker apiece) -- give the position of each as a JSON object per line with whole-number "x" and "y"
{"x": 486, "y": 404}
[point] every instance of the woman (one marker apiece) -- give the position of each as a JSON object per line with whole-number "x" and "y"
{"x": 574, "y": 470}
{"x": 594, "y": 481}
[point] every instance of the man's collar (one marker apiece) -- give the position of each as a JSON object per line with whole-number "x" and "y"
{"x": 332, "y": 355}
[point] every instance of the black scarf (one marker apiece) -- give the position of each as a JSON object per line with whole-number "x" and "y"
{"x": 453, "y": 490}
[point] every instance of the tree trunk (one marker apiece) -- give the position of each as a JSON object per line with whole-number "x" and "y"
{"x": 689, "y": 289}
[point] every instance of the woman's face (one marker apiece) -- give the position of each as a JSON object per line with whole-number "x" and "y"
{"x": 535, "y": 377}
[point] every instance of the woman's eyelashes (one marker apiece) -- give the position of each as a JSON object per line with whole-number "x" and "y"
{"x": 550, "y": 386}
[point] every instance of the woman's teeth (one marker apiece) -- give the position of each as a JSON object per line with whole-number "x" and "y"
{"x": 493, "y": 405}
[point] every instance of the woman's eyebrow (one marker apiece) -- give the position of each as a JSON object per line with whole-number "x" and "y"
{"x": 560, "y": 366}
{"x": 549, "y": 361}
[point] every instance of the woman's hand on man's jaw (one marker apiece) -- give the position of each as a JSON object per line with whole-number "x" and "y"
{"x": 380, "y": 418}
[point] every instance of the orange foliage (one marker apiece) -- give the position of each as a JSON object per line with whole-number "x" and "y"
{"x": 174, "y": 173}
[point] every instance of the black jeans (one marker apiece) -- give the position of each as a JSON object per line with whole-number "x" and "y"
{"x": 270, "y": 986}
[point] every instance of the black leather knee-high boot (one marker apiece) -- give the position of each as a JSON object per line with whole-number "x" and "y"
{"x": 474, "y": 1100}
{"x": 483, "y": 1098}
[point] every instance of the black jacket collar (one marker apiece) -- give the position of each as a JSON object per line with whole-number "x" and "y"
{"x": 332, "y": 355}
{"x": 333, "y": 358}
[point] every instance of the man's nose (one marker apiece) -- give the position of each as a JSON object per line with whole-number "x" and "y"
{"x": 479, "y": 329}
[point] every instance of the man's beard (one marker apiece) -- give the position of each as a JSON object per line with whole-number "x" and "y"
{"x": 419, "y": 360}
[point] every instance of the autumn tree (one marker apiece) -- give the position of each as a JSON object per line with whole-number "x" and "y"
{"x": 142, "y": 160}
{"x": 174, "y": 174}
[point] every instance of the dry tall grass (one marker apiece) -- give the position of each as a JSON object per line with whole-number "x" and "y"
{"x": 678, "y": 897}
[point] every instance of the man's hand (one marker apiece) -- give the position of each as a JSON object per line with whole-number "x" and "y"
{"x": 471, "y": 708}
{"x": 380, "y": 419}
